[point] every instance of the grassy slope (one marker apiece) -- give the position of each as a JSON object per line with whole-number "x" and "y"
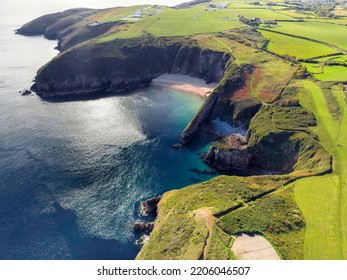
{"x": 185, "y": 218}
{"x": 332, "y": 133}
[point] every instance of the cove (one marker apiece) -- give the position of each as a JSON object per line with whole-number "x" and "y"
{"x": 73, "y": 186}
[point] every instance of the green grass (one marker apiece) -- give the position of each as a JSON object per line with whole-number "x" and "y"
{"x": 177, "y": 27}
{"x": 340, "y": 21}
{"x": 332, "y": 73}
{"x": 173, "y": 22}
{"x": 180, "y": 231}
{"x": 217, "y": 15}
{"x": 299, "y": 48}
{"x": 337, "y": 58}
{"x": 297, "y": 14}
{"x": 327, "y": 73}
{"x": 277, "y": 217}
{"x": 325, "y": 32}
{"x": 318, "y": 200}
{"x": 313, "y": 67}
{"x": 263, "y": 14}
{"x": 332, "y": 134}
{"x": 219, "y": 248}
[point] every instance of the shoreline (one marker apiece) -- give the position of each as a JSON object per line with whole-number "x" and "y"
{"x": 185, "y": 83}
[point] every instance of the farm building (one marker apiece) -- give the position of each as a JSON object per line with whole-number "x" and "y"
{"x": 138, "y": 14}
{"x": 218, "y": 6}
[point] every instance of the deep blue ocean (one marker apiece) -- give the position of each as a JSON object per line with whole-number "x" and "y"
{"x": 72, "y": 173}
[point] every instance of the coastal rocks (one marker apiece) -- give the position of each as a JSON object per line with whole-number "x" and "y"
{"x": 144, "y": 227}
{"x": 25, "y": 92}
{"x": 228, "y": 158}
{"x": 142, "y": 240}
{"x": 220, "y": 104}
{"x": 203, "y": 114}
{"x": 204, "y": 172}
{"x": 177, "y": 146}
{"x": 149, "y": 206}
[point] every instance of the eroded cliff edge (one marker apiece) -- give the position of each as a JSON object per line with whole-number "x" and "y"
{"x": 127, "y": 64}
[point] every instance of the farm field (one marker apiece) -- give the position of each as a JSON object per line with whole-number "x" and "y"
{"x": 299, "y": 48}
{"x": 320, "y": 31}
{"x": 332, "y": 73}
{"x": 327, "y": 73}
{"x": 264, "y": 14}
{"x": 296, "y": 14}
{"x": 335, "y": 58}
{"x": 332, "y": 133}
{"x": 173, "y": 22}
{"x": 319, "y": 205}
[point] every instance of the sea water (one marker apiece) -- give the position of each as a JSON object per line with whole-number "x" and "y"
{"x": 72, "y": 173}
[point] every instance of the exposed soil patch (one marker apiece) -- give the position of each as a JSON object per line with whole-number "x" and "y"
{"x": 267, "y": 94}
{"x": 245, "y": 91}
{"x": 255, "y": 247}
{"x": 257, "y": 75}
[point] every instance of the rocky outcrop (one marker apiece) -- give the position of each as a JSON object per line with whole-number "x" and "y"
{"x": 123, "y": 65}
{"x": 144, "y": 227}
{"x": 149, "y": 206}
{"x": 275, "y": 153}
{"x": 227, "y": 159}
{"x": 220, "y": 104}
{"x": 203, "y": 115}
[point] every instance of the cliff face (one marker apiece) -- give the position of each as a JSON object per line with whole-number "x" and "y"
{"x": 124, "y": 65}
{"x": 228, "y": 159}
{"x": 222, "y": 105}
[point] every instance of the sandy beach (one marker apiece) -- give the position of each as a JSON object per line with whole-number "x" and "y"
{"x": 185, "y": 83}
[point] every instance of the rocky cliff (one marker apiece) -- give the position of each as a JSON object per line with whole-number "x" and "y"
{"x": 122, "y": 65}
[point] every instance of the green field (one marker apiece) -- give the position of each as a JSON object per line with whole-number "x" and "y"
{"x": 332, "y": 73}
{"x": 332, "y": 134}
{"x": 318, "y": 200}
{"x": 297, "y": 14}
{"x": 263, "y": 14}
{"x": 327, "y": 73}
{"x": 172, "y": 22}
{"x": 324, "y": 32}
{"x": 335, "y": 58}
{"x": 299, "y": 48}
